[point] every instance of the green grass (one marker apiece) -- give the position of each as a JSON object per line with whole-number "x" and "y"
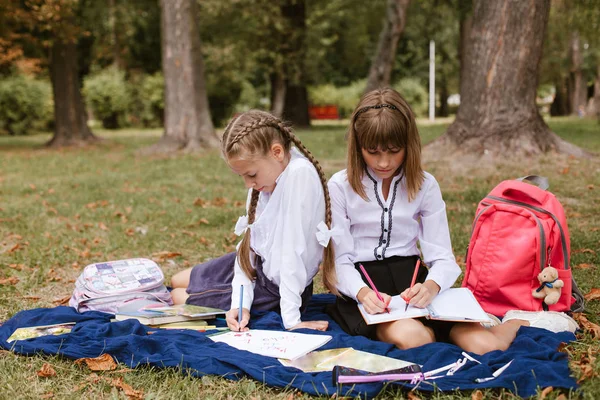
{"x": 61, "y": 210}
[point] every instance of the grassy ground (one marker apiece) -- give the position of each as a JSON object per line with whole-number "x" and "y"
{"x": 61, "y": 210}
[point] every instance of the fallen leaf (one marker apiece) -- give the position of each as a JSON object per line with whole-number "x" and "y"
{"x": 545, "y": 392}
{"x": 583, "y": 266}
{"x": 219, "y": 201}
{"x": 586, "y": 325}
{"x": 48, "y": 395}
{"x": 31, "y": 297}
{"x": 561, "y": 397}
{"x": 130, "y": 392}
{"x": 590, "y": 251}
{"x": 477, "y": 395}
{"x": 590, "y": 187}
{"x": 102, "y": 226}
{"x": 586, "y": 366}
{"x": 594, "y": 294}
{"x": 412, "y": 396}
{"x": 46, "y": 371}
{"x": 203, "y": 221}
{"x": 13, "y": 280}
{"x": 62, "y": 301}
{"x": 103, "y": 363}
{"x": 163, "y": 255}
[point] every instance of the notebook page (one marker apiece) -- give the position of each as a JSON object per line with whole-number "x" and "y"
{"x": 396, "y": 307}
{"x": 457, "y": 304}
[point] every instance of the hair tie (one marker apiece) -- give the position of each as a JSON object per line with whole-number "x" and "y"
{"x": 382, "y": 105}
{"x": 242, "y": 225}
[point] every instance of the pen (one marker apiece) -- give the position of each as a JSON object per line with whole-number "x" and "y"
{"x": 241, "y": 306}
{"x": 412, "y": 283}
{"x": 364, "y": 271}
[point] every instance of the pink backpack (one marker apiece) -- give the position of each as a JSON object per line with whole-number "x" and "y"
{"x": 518, "y": 230}
{"x": 113, "y": 285}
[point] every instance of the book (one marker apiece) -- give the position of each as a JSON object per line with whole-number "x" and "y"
{"x": 325, "y": 360}
{"x": 39, "y": 331}
{"x": 188, "y": 310}
{"x": 411, "y": 373}
{"x": 153, "y": 318}
{"x": 455, "y": 304}
{"x": 278, "y": 344}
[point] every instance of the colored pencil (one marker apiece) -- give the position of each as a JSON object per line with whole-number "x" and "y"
{"x": 414, "y": 279}
{"x": 364, "y": 271}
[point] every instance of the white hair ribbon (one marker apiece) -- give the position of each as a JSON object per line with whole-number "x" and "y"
{"x": 325, "y": 234}
{"x": 241, "y": 226}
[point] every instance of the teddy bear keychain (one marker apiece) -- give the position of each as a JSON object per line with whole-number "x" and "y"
{"x": 550, "y": 286}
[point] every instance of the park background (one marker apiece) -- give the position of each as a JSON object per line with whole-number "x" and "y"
{"x": 110, "y": 113}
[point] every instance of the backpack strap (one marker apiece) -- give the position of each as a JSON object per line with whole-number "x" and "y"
{"x": 539, "y": 181}
{"x": 579, "y": 304}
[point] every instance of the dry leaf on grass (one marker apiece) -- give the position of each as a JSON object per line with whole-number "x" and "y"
{"x": 583, "y": 266}
{"x": 48, "y": 395}
{"x": 545, "y": 392}
{"x": 164, "y": 255}
{"x": 594, "y": 294}
{"x": 583, "y": 251}
{"x": 130, "y": 392}
{"x": 103, "y": 363}
{"x": 586, "y": 325}
{"x": 586, "y": 366}
{"x": 46, "y": 371}
{"x": 61, "y": 301}
{"x": 477, "y": 395}
{"x": 13, "y": 280}
{"x": 412, "y": 396}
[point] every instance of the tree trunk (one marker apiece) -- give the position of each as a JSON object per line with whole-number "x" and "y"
{"x": 188, "y": 124}
{"x": 70, "y": 119}
{"x": 498, "y": 115}
{"x": 383, "y": 61}
{"x": 560, "y": 104}
{"x": 278, "y": 91}
{"x": 578, "y": 92}
{"x": 465, "y": 23}
{"x": 597, "y": 92}
{"x": 295, "y": 105}
{"x": 443, "y": 111}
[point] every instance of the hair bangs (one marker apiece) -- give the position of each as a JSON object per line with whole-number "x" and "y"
{"x": 383, "y": 133}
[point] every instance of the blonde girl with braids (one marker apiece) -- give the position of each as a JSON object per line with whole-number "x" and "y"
{"x": 392, "y": 214}
{"x": 286, "y": 230}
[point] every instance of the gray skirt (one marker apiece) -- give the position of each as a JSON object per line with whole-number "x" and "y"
{"x": 210, "y": 286}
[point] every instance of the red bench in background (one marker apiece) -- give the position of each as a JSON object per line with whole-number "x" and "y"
{"x": 329, "y": 111}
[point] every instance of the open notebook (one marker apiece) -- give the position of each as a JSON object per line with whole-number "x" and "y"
{"x": 455, "y": 304}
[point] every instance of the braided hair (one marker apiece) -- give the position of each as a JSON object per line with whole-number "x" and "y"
{"x": 251, "y": 134}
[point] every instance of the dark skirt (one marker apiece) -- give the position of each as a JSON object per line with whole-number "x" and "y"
{"x": 392, "y": 276}
{"x": 210, "y": 286}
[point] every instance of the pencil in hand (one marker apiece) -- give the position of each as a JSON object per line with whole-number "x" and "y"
{"x": 364, "y": 271}
{"x": 412, "y": 283}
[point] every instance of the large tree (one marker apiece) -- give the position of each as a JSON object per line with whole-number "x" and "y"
{"x": 383, "y": 61}
{"x": 188, "y": 124}
{"x": 498, "y": 113}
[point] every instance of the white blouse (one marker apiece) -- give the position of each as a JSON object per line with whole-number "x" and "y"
{"x": 382, "y": 228}
{"x": 284, "y": 236}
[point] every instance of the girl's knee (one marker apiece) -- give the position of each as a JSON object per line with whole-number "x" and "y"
{"x": 407, "y": 336}
{"x": 179, "y": 295}
{"x": 478, "y": 341}
{"x": 181, "y": 279}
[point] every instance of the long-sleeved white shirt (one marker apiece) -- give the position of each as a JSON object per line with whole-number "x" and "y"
{"x": 381, "y": 228}
{"x": 283, "y": 235}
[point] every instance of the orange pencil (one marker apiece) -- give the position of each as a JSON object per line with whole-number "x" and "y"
{"x": 412, "y": 283}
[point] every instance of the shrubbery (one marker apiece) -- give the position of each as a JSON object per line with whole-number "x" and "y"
{"x": 25, "y": 104}
{"x": 415, "y": 95}
{"x": 107, "y": 93}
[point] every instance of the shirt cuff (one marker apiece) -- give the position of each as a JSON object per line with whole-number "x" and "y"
{"x": 444, "y": 277}
{"x": 248, "y": 296}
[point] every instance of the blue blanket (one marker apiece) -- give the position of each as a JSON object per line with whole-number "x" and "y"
{"x": 537, "y": 362}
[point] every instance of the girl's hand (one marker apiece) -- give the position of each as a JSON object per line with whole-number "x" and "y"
{"x": 421, "y": 294}
{"x": 368, "y": 298}
{"x": 232, "y": 320}
{"x": 316, "y": 325}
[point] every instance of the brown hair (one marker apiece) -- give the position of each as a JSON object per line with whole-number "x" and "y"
{"x": 384, "y": 119}
{"x": 251, "y": 135}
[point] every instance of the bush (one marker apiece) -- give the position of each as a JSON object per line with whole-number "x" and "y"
{"x": 415, "y": 95}
{"x": 147, "y": 105}
{"x": 25, "y": 104}
{"x": 108, "y": 94}
{"x": 345, "y": 97}
{"x": 223, "y": 82}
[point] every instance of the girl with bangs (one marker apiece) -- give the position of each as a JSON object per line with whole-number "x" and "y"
{"x": 388, "y": 212}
